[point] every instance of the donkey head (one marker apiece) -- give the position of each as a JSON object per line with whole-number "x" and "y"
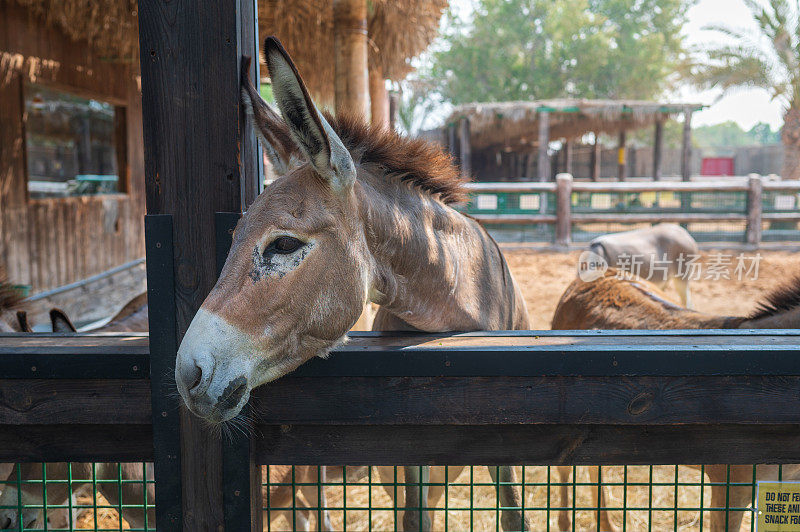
{"x": 297, "y": 275}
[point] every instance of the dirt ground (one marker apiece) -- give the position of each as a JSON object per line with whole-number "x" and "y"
{"x": 543, "y": 277}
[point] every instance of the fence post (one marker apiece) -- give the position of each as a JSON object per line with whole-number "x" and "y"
{"x": 754, "y": 208}
{"x": 563, "y": 210}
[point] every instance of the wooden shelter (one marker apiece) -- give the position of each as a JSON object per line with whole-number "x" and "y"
{"x": 393, "y": 32}
{"x": 477, "y": 134}
{"x": 53, "y": 241}
{"x": 91, "y": 50}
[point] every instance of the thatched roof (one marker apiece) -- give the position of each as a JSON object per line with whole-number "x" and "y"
{"x": 516, "y": 124}
{"x": 110, "y": 26}
{"x": 398, "y": 31}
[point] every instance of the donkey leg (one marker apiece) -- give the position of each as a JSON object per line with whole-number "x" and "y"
{"x": 512, "y": 517}
{"x": 416, "y": 488}
{"x": 723, "y": 496}
{"x": 682, "y": 287}
{"x": 564, "y": 473}
{"x": 599, "y": 500}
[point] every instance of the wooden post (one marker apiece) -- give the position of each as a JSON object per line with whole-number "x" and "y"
{"x": 563, "y": 210}
{"x": 466, "y": 151}
{"x": 197, "y": 162}
{"x": 686, "y": 149}
{"x": 451, "y": 140}
{"x": 596, "y": 159}
{"x": 351, "y": 86}
{"x": 568, "y": 156}
{"x": 754, "y": 208}
{"x": 543, "y": 163}
{"x": 378, "y": 98}
{"x": 658, "y": 150}
{"x": 394, "y": 103}
{"x": 530, "y": 160}
{"x": 622, "y": 160}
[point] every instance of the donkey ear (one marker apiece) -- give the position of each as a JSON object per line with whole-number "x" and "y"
{"x": 281, "y": 149}
{"x": 22, "y": 320}
{"x": 60, "y": 321}
{"x": 315, "y": 137}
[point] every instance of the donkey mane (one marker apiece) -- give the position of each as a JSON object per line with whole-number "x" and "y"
{"x": 10, "y": 296}
{"x": 783, "y": 298}
{"x": 414, "y": 161}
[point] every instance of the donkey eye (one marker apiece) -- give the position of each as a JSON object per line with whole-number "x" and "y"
{"x": 284, "y": 245}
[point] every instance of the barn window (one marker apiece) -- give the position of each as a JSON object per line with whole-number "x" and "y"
{"x": 75, "y": 146}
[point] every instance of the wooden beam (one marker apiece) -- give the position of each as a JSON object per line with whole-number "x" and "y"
{"x": 596, "y": 158}
{"x": 378, "y": 98}
{"x": 351, "y": 86}
{"x": 394, "y": 103}
{"x": 563, "y": 232}
{"x": 529, "y": 444}
{"x": 754, "y": 210}
{"x": 658, "y": 149}
{"x": 686, "y": 148}
{"x": 568, "y": 149}
{"x": 196, "y": 164}
{"x": 543, "y": 162}
{"x": 466, "y": 152}
{"x": 622, "y": 159}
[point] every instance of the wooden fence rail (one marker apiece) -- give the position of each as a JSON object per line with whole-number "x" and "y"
{"x": 564, "y": 218}
{"x": 537, "y": 398}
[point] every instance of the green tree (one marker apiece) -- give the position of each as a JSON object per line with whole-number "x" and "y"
{"x": 534, "y": 49}
{"x": 768, "y": 59}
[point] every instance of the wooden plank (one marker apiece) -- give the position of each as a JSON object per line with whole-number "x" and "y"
{"x": 63, "y": 443}
{"x": 596, "y": 158}
{"x": 194, "y": 87}
{"x": 614, "y": 400}
{"x": 754, "y": 210}
{"x": 466, "y": 151}
{"x": 528, "y": 444}
{"x": 563, "y": 233}
{"x": 75, "y": 401}
{"x": 543, "y": 161}
{"x": 658, "y": 150}
{"x": 622, "y": 156}
{"x": 686, "y": 147}
{"x": 643, "y": 186}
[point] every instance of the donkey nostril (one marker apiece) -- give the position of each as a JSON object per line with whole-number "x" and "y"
{"x": 197, "y": 377}
{"x": 233, "y": 393}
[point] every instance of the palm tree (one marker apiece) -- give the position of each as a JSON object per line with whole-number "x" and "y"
{"x": 768, "y": 59}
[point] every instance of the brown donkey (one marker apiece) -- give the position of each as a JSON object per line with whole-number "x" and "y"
{"x": 361, "y": 215}
{"x": 622, "y": 302}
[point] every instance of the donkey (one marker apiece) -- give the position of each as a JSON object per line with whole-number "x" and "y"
{"x": 361, "y": 215}
{"x": 656, "y": 253}
{"x": 620, "y": 302}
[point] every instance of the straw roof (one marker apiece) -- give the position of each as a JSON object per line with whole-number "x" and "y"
{"x": 398, "y": 31}
{"x": 110, "y": 26}
{"x": 515, "y": 124}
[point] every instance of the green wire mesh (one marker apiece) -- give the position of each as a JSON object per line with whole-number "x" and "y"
{"x": 70, "y": 496}
{"x": 653, "y": 498}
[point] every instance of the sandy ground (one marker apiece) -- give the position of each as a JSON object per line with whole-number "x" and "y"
{"x": 543, "y": 276}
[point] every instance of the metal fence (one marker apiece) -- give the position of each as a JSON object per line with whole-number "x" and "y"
{"x": 63, "y": 496}
{"x": 665, "y": 497}
{"x": 733, "y": 211}
{"x": 647, "y": 497}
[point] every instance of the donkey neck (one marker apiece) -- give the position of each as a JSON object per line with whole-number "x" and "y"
{"x": 434, "y": 269}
